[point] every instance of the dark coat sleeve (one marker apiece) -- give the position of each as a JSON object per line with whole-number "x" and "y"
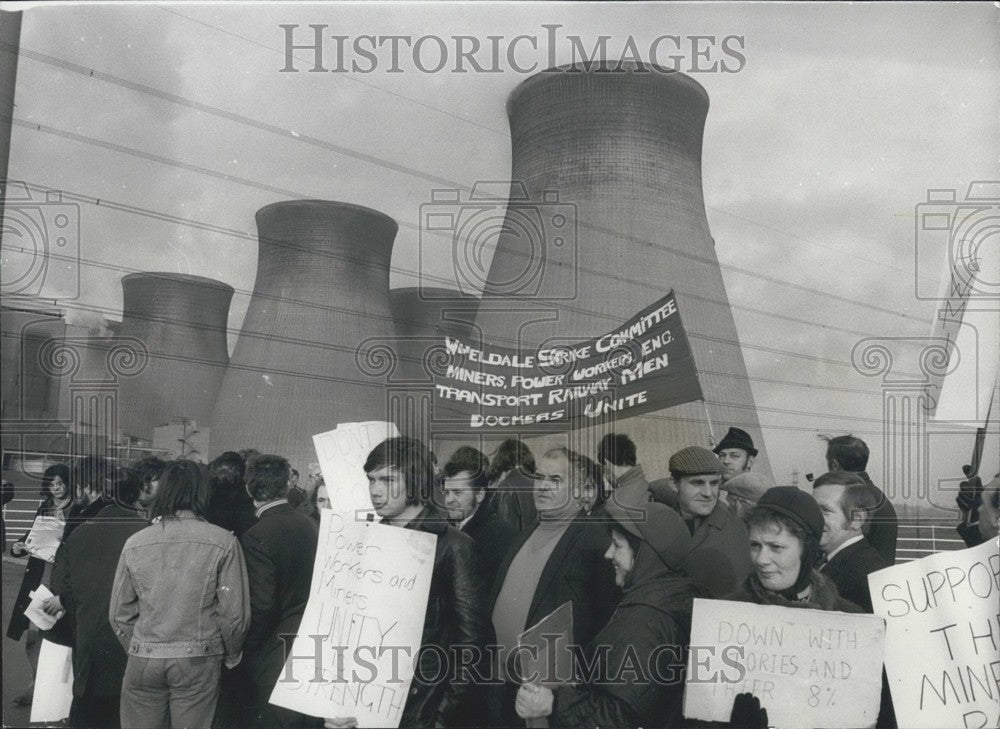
{"x": 599, "y": 595}
{"x": 469, "y": 615}
{"x": 629, "y": 694}
{"x": 492, "y": 546}
{"x": 576, "y": 708}
{"x": 262, "y": 579}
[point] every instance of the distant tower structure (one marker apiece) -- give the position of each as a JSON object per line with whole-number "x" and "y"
{"x": 322, "y": 289}
{"x": 424, "y": 316}
{"x": 619, "y": 154}
{"x": 181, "y": 321}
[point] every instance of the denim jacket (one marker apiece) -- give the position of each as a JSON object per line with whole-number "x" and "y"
{"x": 181, "y": 591}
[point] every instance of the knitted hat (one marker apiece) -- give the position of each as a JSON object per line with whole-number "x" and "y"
{"x": 749, "y": 485}
{"x": 694, "y": 460}
{"x": 656, "y": 524}
{"x": 737, "y": 438}
{"x": 797, "y": 505}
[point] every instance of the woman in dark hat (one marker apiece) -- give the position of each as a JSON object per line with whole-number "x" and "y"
{"x": 785, "y": 528}
{"x": 649, "y": 629}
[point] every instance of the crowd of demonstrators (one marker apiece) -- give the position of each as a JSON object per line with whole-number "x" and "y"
{"x": 176, "y": 582}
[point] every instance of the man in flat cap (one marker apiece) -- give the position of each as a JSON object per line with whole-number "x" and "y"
{"x": 720, "y": 548}
{"x": 745, "y": 490}
{"x": 736, "y": 452}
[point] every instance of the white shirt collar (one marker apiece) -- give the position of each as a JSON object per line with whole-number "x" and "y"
{"x": 264, "y": 507}
{"x": 844, "y": 545}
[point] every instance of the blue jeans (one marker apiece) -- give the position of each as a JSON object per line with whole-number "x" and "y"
{"x": 170, "y": 693}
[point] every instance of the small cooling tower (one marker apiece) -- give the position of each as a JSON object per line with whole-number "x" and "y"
{"x": 322, "y": 289}
{"x": 424, "y": 316}
{"x": 181, "y": 321}
{"x": 611, "y": 216}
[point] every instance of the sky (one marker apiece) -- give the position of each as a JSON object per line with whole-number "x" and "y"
{"x": 817, "y": 152}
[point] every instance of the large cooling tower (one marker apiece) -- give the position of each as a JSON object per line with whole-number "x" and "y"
{"x": 619, "y": 154}
{"x": 322, "y": 289}
{"x": 423, "y": 317}
{"x": 181, "y": 321}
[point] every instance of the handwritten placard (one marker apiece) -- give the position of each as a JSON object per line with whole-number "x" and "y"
{"x": 809, "y": 668}
{"x": 362, "y": 629}
{"x": 341, "y": 453}
{"x": 943, "y": 637}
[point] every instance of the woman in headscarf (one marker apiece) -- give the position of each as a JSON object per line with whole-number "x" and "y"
{"x": 785, "y": 528}
{"x": 649, "y": 630}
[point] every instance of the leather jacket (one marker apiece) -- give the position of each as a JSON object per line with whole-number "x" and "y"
{"x": 181, "y": 591}
{"x": 456, "y": 615}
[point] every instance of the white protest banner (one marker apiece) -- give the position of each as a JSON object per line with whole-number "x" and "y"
{"x": 809, "y": 668}
{"x": 363, "y": 624}
{"x": 53, "y": 683}
{"x": 341, "y": 453}
{"x": 943, "y": 637}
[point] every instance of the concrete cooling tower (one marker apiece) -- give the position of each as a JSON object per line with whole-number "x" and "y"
{"x": 619, "y": 156}
{"x": 322, "y": 289}
{"x": 424, "y": 316}
{"x": 181, "y": 321}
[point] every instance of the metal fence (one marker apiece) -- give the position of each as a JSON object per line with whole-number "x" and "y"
{"x": 919, "y": 538}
